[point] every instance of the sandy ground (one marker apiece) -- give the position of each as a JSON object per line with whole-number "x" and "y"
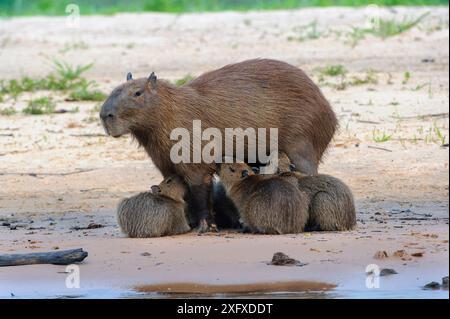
{"x": 59, "y": 171}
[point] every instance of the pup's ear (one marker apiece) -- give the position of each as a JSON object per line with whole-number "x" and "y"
{"x": 152, "y": 81}
{"x": 292, "y": 167}
{"x": 155, "y": 189}
{"x": 244, "y": 173}
{"x": 255, "y": 170}
{"x": 129, "y": 76}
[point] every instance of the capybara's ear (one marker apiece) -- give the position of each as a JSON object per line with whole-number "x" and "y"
{"x": 152, "y": 80}
{"x": 255, "y": 170}
{"x": 129, "y": 76}
{"x": 292, "y": 167}
{"x": 155, "y": 189}
{"x": 244, "y": 173}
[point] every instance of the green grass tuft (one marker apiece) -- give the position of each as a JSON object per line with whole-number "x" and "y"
{"x": 85, "y": 93}
{"x": 43, "y": 105}
{"x": 333, "y": 70}
{"x": 380, "y": 138}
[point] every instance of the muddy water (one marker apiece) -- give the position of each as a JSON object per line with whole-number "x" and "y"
{"x": 286, "y": 290}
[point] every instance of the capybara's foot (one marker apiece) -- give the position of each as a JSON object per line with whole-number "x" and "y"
{"x": 206, "y": 227}
{"x": 246, "y": 230}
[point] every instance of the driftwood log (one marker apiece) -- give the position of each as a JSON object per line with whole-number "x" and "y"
{"x": 63, "y": 257}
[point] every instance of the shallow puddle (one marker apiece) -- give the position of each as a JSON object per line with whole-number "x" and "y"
{"x": 255, "y": 288}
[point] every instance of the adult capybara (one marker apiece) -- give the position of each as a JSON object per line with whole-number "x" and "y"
{"x": 331, "y": 203}
{"x": 157, "y": 213}
{"x": 266, "y": 204}
{"x": 258, "y": 93}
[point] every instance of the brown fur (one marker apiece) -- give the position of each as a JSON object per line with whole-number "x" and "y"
{"x": 331, "y": 207}
{"x": 268, "y": 205}
{"x": 161, "y": 213}
{"x": 255, "y": 94}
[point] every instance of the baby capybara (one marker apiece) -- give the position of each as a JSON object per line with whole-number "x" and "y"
{"x": 331, "y": 205}
{"x": 157, "y": 213}
{"x": 266, "y": 204}
{"x": 259, "y": 93}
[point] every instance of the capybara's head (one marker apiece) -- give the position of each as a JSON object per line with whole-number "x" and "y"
{"x": 172, "y": 187}
{"x": 231, "y": 173}
{"x": 127, "y": 105}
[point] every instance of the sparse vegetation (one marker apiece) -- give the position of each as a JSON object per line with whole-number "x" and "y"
{"x": 68, "y": 72}
{"x": 384, "y": 28}
{"x": 370, "y": 77}
{"x": 392, "y": 27}
{"x": 65, "y": 78}
{"x": 309, "y": 31}
{"x": 380, "y": 137}
{"x": 406, "y": 77}
{"x": 333, "y": 70}
{"x": 85, "y": 93}
{"x": 436, "y": 134}
{"x": 43, "y": 105}
{"x": 74, "y": 46}
{"x": 8, "y": 111}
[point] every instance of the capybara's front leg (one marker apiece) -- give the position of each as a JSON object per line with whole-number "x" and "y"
{"x": 201, "y": 188}
{"x": 201, "y": 200}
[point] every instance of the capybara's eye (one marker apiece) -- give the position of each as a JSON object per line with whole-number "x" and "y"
{"x": 138, "y": 93}
{"x": 169, "y": 180}
{"x": 232, "y": 169}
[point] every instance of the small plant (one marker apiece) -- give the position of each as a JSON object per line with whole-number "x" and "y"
{"x": 355, "y": 35}
{"x": 406, "y": 77}
{"x": 394, "y": 103}
{"x": 309, "y": 31}
{"x": 84, "y": 93}
{"x": 420, "y": 86}
{"x": 68, "y": 72}
{"x": 369, "y": 78}
{"x": 8, "y": 111}
{"x": 380, "y": 138}
{"x": 440, "y": 136}
{"x": 43, "y": 105}
{"x": 184, "y": 80}
{"x": 333, "y": 70}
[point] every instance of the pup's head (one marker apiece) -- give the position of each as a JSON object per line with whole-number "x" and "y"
{"x": 172, "y": 187}
{"x": 231, "y": 173}
{"x": 284, "y": 163}
{"x": 126, "y": 105}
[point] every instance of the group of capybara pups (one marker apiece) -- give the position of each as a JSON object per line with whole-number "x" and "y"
{"x": 258, "y": 93}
